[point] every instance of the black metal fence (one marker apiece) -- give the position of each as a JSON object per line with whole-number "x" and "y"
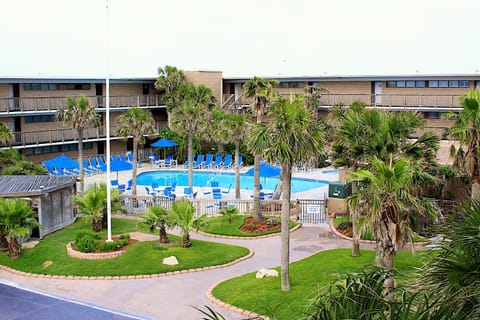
{"x": 312, "y": 211}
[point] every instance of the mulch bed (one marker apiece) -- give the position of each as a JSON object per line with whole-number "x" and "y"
{"x": 253, "y": 227}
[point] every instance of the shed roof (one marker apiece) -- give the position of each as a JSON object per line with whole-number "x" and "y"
{"x": 26, "y": 186}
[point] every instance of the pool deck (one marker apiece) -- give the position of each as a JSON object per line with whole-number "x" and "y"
{"x": 315, "y": 174}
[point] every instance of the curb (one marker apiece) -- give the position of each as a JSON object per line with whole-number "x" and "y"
{"x": 229, "y": 307}
{"x": 212, "y": 235}
{"x": 132, "y": 277}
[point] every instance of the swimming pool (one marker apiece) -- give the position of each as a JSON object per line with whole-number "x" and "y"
{"x": 225, "y": 179}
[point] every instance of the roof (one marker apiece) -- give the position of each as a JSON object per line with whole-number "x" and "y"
{"x": 25, "y": 186}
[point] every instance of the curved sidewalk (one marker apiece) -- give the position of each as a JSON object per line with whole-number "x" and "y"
{"x": 171, "y": 297}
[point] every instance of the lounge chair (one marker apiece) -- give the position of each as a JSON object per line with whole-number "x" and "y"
{"x": 187, "y": 192}
{"x": 208, "y": 161}
{"x": 101, "y": 164}
{"x": 115, "y": 157}
{"x": 52, "y": 171}
{"x": 199, "y": 162}
{"x": 169, "y": 161}
{"x": 240, "y": 161}
{"x": 88, "y": 167}
{"x": 227, "y": 164}
{"x": 186, "y": 164}
{"x": 218, "y": 161}
{"x": 150, "y": 192}
{"x": 130, "y": 159}
{"x": 123, "y": 158}
{"x": 227, "y": 191}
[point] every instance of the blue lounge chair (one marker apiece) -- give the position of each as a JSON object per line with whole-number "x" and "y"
{"x": 150, "y": 192}
{"x": 228, "y": 162}
{"x": 227, "y": 191}
{"x": 218, "y": 161}
{"x": 199, "y": 161}
{"x": 130, "y": 159}
{"x": 87, "y": 167}
{"x": 169, "y": 161}
{"x": 115, "y": 157}
{"x": 186, "y": 164}
{"x": 187, "y": 192}
{"x": 167, "y": 193}
{"x": 240, "y": 161}
{"x": 123, "y": 158}
{"x": 101, "y": 164}
{"x": 52, "y": 171}
{"x": 208, "y": 161}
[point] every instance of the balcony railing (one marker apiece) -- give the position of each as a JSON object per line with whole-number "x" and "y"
{"x": 388, "y": 101}
{"x": 45, "y": 104}
{"x": 65, "y": 135}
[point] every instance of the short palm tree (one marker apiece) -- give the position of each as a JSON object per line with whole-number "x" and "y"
{"x": 136, "y": 123}
{"x": 453, "y": 276}
{"x": 291, "y": 136}
{"x": 93, "y": 204}
{"x": 467, "y": 130}
{"x": 16, "y": 221}
{"x": 182, "y": 215}
{"x": 79, "y": 114}
{"x": 157, "y": 218}
{"x": 190, "y": 117}
{"x": 261, "y": 91}
{"x": 6, "y": 135}
{"x": 229, "y": 212}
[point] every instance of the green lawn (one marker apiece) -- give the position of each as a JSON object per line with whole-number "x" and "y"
{"x": 219, "y": 225}
{"x": 307, "y": 276}
{"x": 140, "y": 258}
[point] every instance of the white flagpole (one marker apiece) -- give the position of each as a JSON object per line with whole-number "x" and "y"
{"x": 107, "y": 130}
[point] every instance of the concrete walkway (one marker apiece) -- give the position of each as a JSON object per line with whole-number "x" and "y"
{"x": 171, "y": 297}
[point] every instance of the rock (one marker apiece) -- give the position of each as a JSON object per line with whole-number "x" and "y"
{"x": 171, "y": 261}
{"x": 264, "y": 273}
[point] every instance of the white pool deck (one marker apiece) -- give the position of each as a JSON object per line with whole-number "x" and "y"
{"x": 314, "y": 174}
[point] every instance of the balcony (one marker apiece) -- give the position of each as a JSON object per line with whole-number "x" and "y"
{"x": 25, "y": 139}
{"x": 12, "y": 106}
{"x": 414, "y": 102}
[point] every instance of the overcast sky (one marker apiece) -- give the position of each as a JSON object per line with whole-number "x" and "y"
{"x": 240, "y": 38}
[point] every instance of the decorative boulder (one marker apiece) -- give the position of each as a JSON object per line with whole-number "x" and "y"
{"x": 263, "y": 273}
{"x": 171, "y": 261}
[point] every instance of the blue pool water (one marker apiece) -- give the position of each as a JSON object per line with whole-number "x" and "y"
{"x": 203, "y": 179}
{"x": 330, "y": 171}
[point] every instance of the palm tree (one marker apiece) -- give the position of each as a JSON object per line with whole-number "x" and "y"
{"x": 157, "y": 217}
{"x": 93, "y": 204}
{"x": 191, "y": 116}
{"x": 79, "y": 114}
{"x": 182, "y": 215}
{"x": 467, "y": 130}
{"x": 453, "y": 275}
{"x": 135, "y": 123}
{"x": 262, "y": 91}
{"x": 291, "y": 136}
{"x": 15, "y": 222}
{"x": 235, "y": 126}
{"x": 6, "y": 135}
{"x": 170, "y": 79}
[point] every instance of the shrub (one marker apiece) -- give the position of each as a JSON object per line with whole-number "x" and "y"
{"x": 108, "y": 246}
{"x": 82, "y": 233}
{"x": 345, "y": 225}
{"x": 124, "y": 236}
{"x": 86, "y": 244}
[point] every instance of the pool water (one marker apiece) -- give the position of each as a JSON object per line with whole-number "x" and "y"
{"x": 225, "y": 179}
{"x": 330, "y": 171}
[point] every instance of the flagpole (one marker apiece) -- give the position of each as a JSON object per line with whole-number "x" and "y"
{"x": 107, "y": 130}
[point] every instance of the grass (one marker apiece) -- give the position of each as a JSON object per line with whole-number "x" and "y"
{"x": 307, "y": 277}
{"x": 220, "y": 226}
{"x": 140, "y": 258}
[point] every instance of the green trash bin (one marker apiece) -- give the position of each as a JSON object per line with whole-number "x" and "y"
{"x": 340, "y": 190}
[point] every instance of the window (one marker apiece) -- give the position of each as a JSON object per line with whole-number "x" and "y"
{"x": 400, "y": 84}
{"x": 433, "y": 115}
{"x": 55, "y": 86}
{"x": 41, "y": 118}
{"x": 420, "y": 84}
{"x": 391, "y": 84}
{"x": 464, "y": 84}
{"x": 453, "y": 83}
{"x": 410, "y": 84}
{"x": 443, "y": 84}
{"x": 433, "y": 84}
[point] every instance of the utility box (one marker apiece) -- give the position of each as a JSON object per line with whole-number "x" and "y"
{"x": 339, "y": 190}
{"x": 336, "y": 205}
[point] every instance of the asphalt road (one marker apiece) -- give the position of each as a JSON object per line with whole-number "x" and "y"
{"x": 20, "y": 304}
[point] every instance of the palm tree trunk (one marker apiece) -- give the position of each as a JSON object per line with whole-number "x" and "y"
{"x": 13, "y": 248}
{"x": 80, "y": 159}
{"x": 163, "y": 235}
{"x": 97, "y": 225}
{"x": 355, "y": 220}
{"x": 237, "y": 169}
{"x": 134, "y": 170}
{"x": 186, "y": 241}
{"x": 3, "y": 242}
{"x": 378, "y": 262}
{"x": 257, "y": 208}
{"x": 189, "y": 159}
{"x": 285, "y": 231}
{"x": 278, "y": 191}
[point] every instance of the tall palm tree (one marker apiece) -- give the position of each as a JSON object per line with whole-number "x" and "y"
{"x": 182, "y": 215}
{"x": 291, "y": 136}
{"x": 6, "y": 135}
{"x": 79, "y": 114}
{"x": 16, "y": 221}
{"x": 467, "y": 130}
{"x": 157, "y": 218}
{"x": 170, "y": 79}
{"x": 235, "y": 126}
{"x": 135, "y": 123}
{"x": 191, "y": 116}
{"x": 262, "y": 91}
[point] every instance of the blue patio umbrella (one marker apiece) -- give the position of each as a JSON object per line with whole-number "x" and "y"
{"x": 266, "y": 170}
{"x": 164, "y": 143}
{"x": 118, "y": 165}
{"x": 62, "y": 161}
